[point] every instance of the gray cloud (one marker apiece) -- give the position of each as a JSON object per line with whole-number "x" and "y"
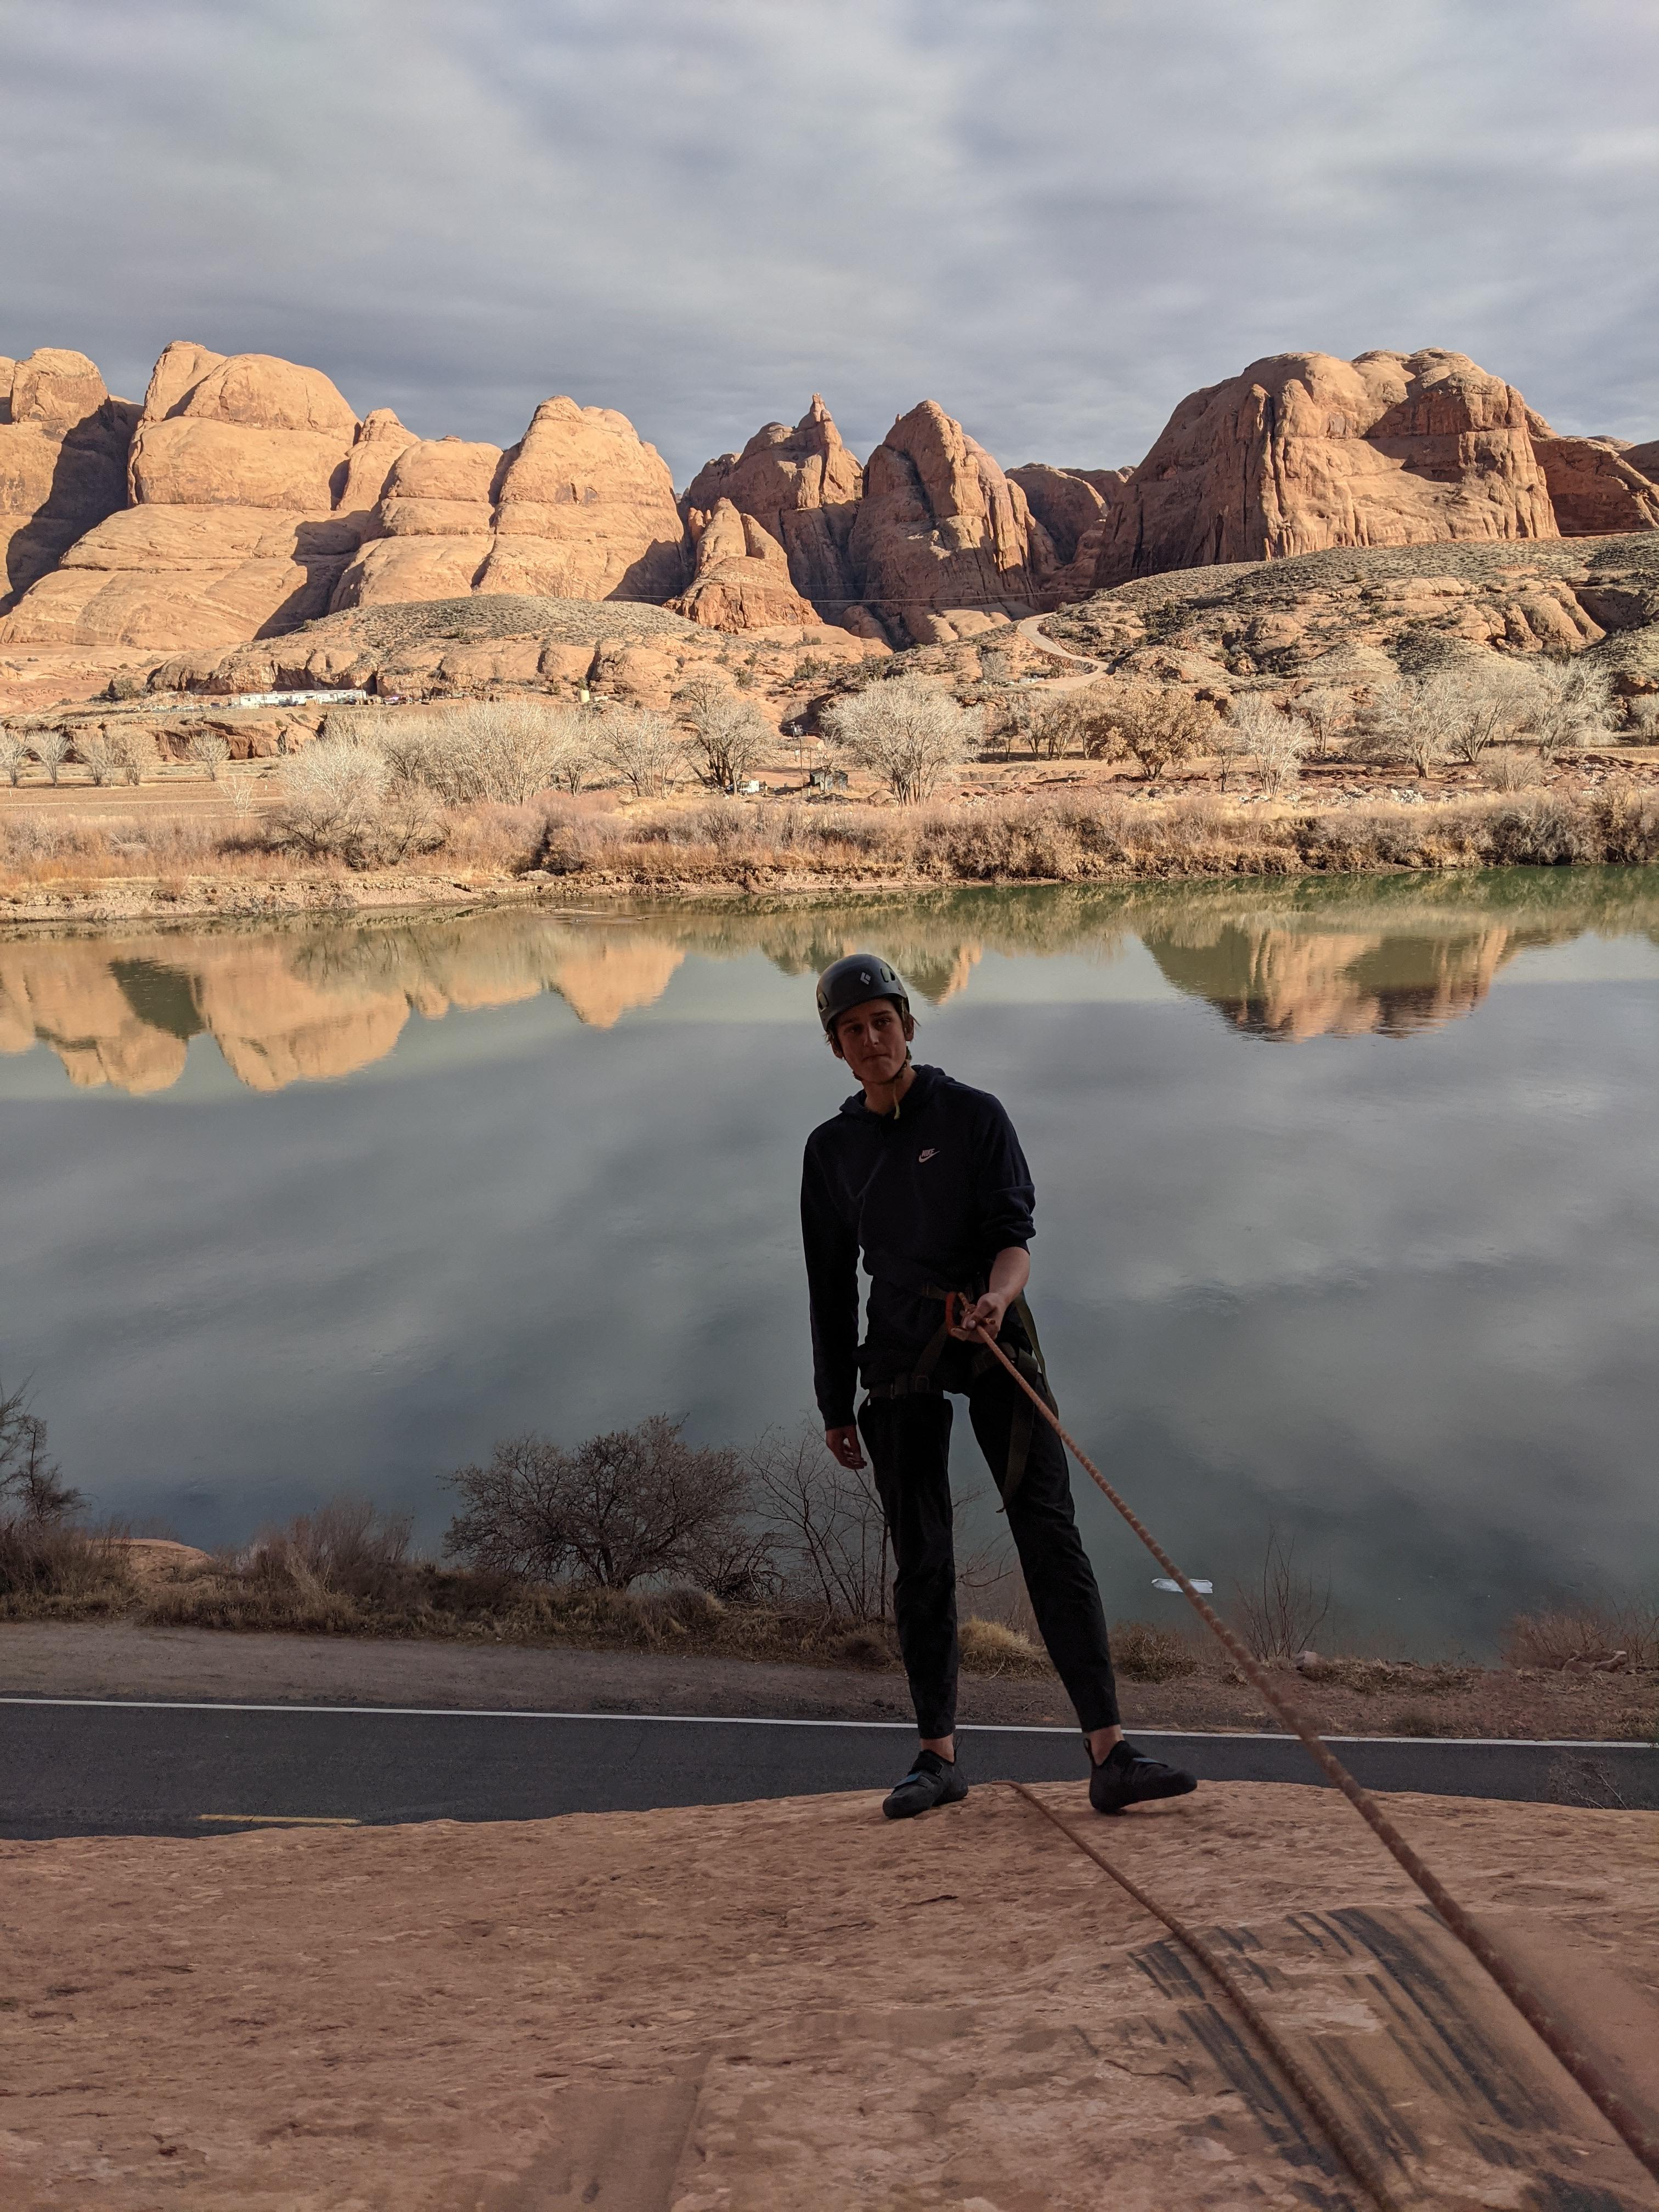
{"x": 1056, "y": 216}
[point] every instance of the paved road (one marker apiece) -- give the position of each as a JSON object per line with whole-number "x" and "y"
{"x": 78, "y": 1768}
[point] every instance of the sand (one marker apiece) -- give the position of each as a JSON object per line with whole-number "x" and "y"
{"x": 796, "y": 2007}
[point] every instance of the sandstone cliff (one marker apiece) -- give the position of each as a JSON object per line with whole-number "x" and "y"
{"x": 64, "y": 445}
{"x": 803, "y": 487}
{"x": 742, "y": 580}
{"x": 943, "y": 544}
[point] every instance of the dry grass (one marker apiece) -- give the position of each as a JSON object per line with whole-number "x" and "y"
{"x": 1141, "y": 1653}
{"x": 1624, "y": 1638}
{"x": 58, "y": 1570}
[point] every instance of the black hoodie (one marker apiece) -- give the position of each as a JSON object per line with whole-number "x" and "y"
{"x": 927, "y": 1198}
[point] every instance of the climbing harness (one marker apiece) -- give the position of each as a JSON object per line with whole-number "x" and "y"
{"x": 1027, "y": 1365}
{"x": 1627, "y": 2124}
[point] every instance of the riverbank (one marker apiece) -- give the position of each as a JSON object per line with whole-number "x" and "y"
{"x": 120, "y": 860}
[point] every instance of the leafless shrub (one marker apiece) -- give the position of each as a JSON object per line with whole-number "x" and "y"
{"x": 1329, "y": 713}
{"x": 906, "y": 730}
{"x": 13, "y": 754}
{"x": 1494, "y": 708}
{"x": 1283, "y": 1610}
{"x": 502, "y": 750}
{"x": 831, "y": 1539}
{"x": 1593, "y": 1638}
{"x": 633, "y": 1506}
{"x": 211, "y": 750}
{"x": 51, "y": 748}
{"x": 1278, "y": 743}
{"x": 1161, "y": 724}
{"x": 1567, "y": 705}
{"x": 1506, "y": 769}
{"x": 342, "y": 801}
{"x": 1420, "y": 719}
{"x": 346, "y": 1546}
{"x": 638, "y": 748}
{"x": 135, "y": 750}
{"x": 96, "y": 752}
{"x": 728, "y": 737}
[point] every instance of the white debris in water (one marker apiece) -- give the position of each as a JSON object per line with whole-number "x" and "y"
{"x": 1162, "y": 1583}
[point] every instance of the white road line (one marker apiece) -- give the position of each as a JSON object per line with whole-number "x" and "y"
{"x": 750, "y": 1720}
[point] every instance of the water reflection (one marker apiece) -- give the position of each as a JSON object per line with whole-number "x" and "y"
{"x": 303, "y": 1002}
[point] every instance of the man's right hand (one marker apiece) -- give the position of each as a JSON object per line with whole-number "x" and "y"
{"x": 844, "y": 1446}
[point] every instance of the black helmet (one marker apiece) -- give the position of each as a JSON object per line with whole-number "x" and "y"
{"x": 846, "y": 984}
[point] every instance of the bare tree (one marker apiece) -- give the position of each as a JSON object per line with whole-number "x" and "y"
{"x": 14, "y": 751}
{"x": 1567, "y": 705}
{"x": 630, "y": 1506}
{"x": 906, "y": 730}
{"x": 1278, "y": 743}
{"x": 829, "y": 1521}
{"x": 1162, "y": 725}
{"x": 96, "y": 751}
{"x": 51, "y": 748}
{"x": 211, "y": 750}
{"x": 1421, "y": 719}
{"x": 31, "y": 1480}
{"x": 728, "y": 736}
{"x": 638, "y": 748}
{"x": 502, "y": 750}
{"x": 135, "y": 750}
{"x": 342, "y": 800}
{"x": 1329, "y": 713}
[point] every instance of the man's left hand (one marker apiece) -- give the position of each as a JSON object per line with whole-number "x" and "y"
{"x": 984, "y": 1313}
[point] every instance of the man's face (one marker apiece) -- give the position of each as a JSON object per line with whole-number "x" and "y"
{"x": 873, "y": 1038}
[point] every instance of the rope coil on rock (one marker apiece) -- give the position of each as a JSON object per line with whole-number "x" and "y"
{"x": 1639, "y": 2138}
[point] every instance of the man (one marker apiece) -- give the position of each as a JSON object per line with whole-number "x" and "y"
{"x": 924, "y": 1180}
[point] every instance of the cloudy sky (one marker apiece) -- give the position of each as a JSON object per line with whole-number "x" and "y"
{"x": 1054, "y": 216}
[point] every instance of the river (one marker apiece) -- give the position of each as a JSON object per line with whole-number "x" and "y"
{"x": 1347, "y": 1207}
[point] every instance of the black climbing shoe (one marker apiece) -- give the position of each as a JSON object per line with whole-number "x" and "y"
{"x": 1126, "y": 1776}
{"x": 931, "y": 1781}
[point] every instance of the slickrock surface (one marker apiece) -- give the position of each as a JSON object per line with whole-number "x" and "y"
{"x": 702, "y": 2011}
{"x": 1365, "y": 615}
{"x": 64, "y": 446}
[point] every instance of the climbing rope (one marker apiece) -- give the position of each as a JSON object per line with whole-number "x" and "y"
{"x": 1628, "y": 2125}
{"x": 1343, "y": 2139}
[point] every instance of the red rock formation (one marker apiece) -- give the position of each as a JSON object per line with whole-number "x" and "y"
{"x": 1594, "y": 488}
{"x": 943, "y": 545}
{"x": 586, "y": 511}
{"x": 1303, "y": 452}
{"x": 1067, "y": 501}
{"x": 742, "y": 580}
{"x": 434, "y": 527}
{"x": 231, "y": 534}
{"x": 64, "y": 446}
{"x": 803, "y": 487}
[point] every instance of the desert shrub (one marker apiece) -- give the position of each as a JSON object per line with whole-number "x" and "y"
{"x": 51, "y": 748}
{"x": 906, "y": 730}
{"x": 55, "y": 1564}
{"x": 345, "y": 1546}
{"x": 991, "y": 1647}
{"x": 342, "y": 800}
{"x": 1566, "y": 705}
{"x": 1277, "y": 742}
{"x": 1142, "y": 1653}
{"x": 1283, "y": 1609}
{"x": 632, "y": 1506}
{"x": 1590, "y": 1635}
{"x": 13, "y": 754}
{"x": 638, "y": 748}
{"x": 1420, "y": 719}
{"x": 1329, "y": 713}
{"x": 500, "y": 750}
{"x": 727, "y": 736}
{"x": 1161, "y": 725}
{"x": 97, "y": 753}
{"x": 1506, "y": 769}
{"x": 211, "y": 750}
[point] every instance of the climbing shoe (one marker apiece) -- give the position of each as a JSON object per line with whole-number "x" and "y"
{"x": 931, "y": 1781}
{"x": 1126, "y": 1776}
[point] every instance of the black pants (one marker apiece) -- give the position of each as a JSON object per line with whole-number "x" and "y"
{"x": 908, "y": 1440}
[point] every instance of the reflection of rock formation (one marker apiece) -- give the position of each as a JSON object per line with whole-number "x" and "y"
{"x": 303, "y": 1004}
{"x": 1290, "y": 984}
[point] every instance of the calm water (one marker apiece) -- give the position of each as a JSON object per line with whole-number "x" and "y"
{"x": 1347, "y": 1206}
